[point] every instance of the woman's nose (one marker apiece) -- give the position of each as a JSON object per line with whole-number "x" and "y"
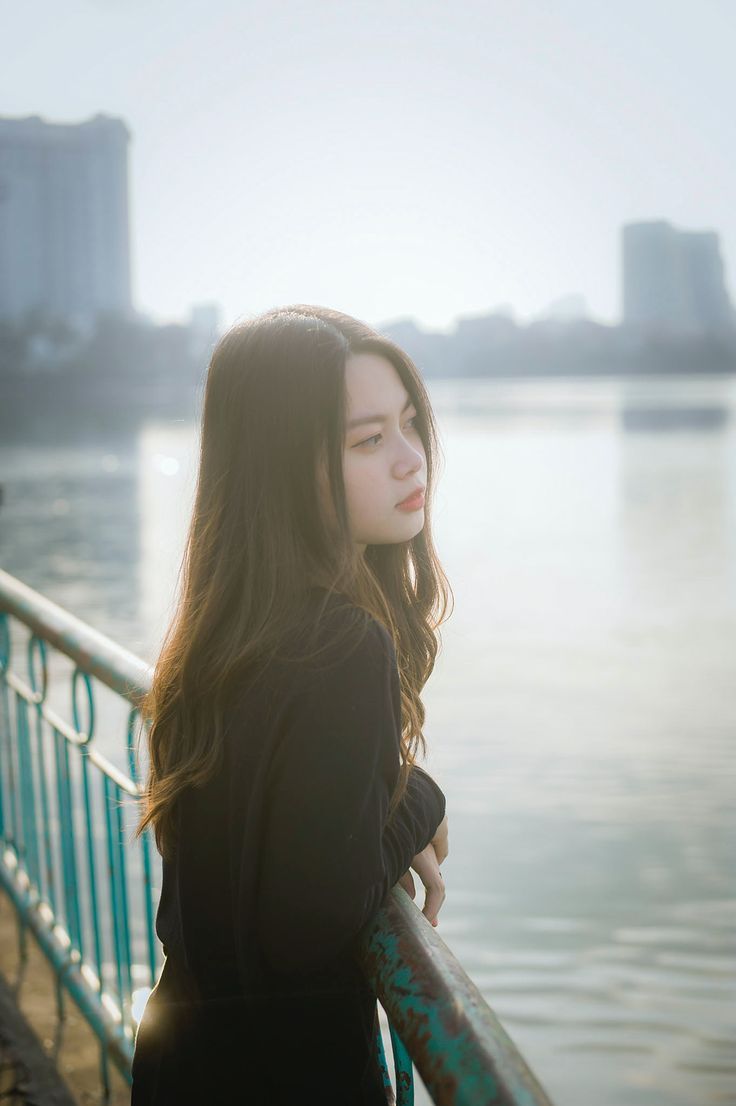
{"x": 415, "y": 461}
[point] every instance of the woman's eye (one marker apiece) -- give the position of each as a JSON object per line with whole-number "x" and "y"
{"x": 366, "y": 441}
{"x": 374, "y": 437}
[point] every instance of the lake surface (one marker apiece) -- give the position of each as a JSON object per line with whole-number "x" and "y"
{"x": 581, "y": 716}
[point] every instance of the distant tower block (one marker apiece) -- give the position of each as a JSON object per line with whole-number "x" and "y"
{"x": 64, "y": 218}
{"x": 674, "y": 278}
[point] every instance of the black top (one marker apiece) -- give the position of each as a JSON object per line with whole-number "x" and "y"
{"x": 283, "y": 856}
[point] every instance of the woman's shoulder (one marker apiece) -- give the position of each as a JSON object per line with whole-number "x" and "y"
{"x": 331, "y": 640}
{"x": 337, "y": 629}
{"x": 344, "y": 668}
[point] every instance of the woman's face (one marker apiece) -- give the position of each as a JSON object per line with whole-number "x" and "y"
{"x": 383, "y": 457}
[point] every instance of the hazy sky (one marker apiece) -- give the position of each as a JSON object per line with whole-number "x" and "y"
{"x": 393, "y": 157}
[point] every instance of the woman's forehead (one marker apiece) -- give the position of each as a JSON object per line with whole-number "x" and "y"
{"x": 373, "y": 385}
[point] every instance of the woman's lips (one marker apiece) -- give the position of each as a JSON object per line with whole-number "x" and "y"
{"x": 414, "y": 503}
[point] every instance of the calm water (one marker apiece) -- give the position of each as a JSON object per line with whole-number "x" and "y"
{"x": 581, "y": 716}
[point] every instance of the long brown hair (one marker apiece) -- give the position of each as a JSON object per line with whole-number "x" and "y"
{"x": 259, "y": 538}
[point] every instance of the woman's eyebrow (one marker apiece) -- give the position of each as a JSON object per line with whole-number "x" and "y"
{"x": 376, "y": 418}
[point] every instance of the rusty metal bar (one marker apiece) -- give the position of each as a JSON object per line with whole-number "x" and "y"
{"x": 462, "y": 1052}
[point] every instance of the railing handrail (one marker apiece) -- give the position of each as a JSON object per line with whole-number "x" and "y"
{"x": 460, "y": 1048}
{"x": 93, "y": 651}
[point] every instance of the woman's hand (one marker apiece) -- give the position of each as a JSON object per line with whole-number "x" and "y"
{"x": 427, "y": 866}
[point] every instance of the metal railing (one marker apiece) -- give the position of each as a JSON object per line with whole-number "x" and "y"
{"x": 86, "y": 888}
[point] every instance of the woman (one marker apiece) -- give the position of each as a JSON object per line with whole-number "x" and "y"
{"x": 285, "y": 714}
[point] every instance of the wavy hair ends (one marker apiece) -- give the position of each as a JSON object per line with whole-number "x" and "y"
{"x": 262, "y": 536}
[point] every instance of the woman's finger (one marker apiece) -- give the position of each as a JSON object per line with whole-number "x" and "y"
{"x": 433, "y": 901}
{"x": 407, "y": 882}
{"x": 426, "y": 866}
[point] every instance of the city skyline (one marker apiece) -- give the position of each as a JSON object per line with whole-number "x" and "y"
{"x": 417, "y": 191}
{"x": 65, "y": 242}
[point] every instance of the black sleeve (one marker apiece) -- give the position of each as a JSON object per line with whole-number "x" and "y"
{"x": 329, "y": 858}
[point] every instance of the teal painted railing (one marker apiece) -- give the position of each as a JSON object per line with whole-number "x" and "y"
{"x": 87, "y": 889}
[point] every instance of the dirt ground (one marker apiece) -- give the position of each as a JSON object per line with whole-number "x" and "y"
{"x": 70, "y": 1044}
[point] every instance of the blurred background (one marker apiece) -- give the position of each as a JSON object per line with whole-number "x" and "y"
{"x": 538, "y": 202}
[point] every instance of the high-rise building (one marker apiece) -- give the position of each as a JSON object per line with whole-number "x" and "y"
{"x": 674, "y": 278}
{"x": 64, "y": 222}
